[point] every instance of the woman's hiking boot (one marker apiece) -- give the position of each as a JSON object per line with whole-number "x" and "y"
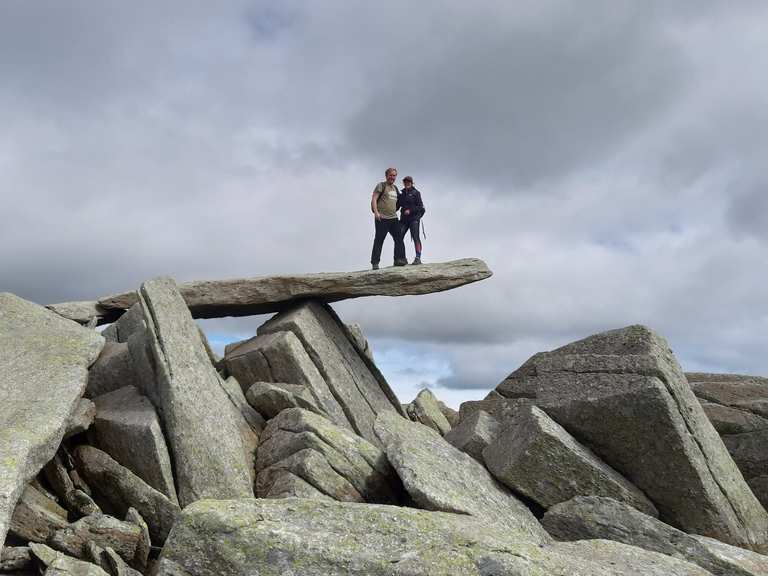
{"x": 417, "y": 260}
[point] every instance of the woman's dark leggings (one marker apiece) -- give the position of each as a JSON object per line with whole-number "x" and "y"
{"x": 413, "y": 227}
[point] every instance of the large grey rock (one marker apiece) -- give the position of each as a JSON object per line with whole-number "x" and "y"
{"x": 282, "y": 483}
{"x": 426, "y": 410}
{"x": 121, "y": 490}
{"x": 439, "y": 477}
{"x": 267, "y": 294}
{"x": 331, "y": 459}
{"x": 622, "y": 393}
{"x": 316, "y": 538}
{"x": 474, "y": 433}
{"x": 127, "y": 428}
{"x": 595, "y": 517}
{"x": 202, "y": 433}
{"x": 60, "y": 564}
{"x": 102, "y": 530}
{"x": 536, "y": 457}
{"x": 270, "y": 399}
{"x": 84, "y": 312}
{"x": 36, "y": 516}
{"x": 114, "y": 369}
{"x": 279, "y": 357}
{"x": 44, "y": 360}
{"x": 358, "y": 386}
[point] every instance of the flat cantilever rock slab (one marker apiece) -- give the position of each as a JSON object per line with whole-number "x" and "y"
{"x": 268, "y": 294}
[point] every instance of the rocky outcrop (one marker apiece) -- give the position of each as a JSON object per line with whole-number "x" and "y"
{"x": 474, "y": 433}
{"x": 536, "y": 457}
{"x": 332, "y": 460}
{"x": 357, "y": 385}
{"x": 439, "y": 477}
{"x": 316, "y": 538}
{"x": 203, "y": 436}
{"x": 249, "y": 296}
{"x": 611, "y": 389}
{"x": 127, "y": 428}
{"x": 426, "y": 410}
{"x": 595, "y": 517}
{"x": 37, "y": 349}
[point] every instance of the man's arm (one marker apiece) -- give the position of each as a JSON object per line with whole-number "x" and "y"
{"x": 374, "y": 202}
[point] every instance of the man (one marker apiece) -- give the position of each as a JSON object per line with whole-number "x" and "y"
{"x": 411, "y": 210}
{"x": 384, "y": 208}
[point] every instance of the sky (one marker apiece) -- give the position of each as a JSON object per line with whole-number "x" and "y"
{"x": 605, "y": 158}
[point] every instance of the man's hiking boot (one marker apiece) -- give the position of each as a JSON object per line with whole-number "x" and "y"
{"x": 374, "y": 266}
{"x": 417, "y": 260}
{"x": 401, "y": 262}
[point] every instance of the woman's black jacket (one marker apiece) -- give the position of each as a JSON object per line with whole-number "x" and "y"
{"x": 410, "y": 199}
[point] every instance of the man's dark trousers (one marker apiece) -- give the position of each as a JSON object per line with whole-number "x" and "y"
{"x": 392, "y": 227}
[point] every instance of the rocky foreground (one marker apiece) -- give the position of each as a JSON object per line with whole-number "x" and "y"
{"x": 136, "y": 450}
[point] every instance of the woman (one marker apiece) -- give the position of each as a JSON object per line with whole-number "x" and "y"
{"x": 411, "y": 210}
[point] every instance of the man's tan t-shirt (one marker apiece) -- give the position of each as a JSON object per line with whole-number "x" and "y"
{"x": 387, "y": 202}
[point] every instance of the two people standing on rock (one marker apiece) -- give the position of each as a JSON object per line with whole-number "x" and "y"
{"x": 386, "y": 200}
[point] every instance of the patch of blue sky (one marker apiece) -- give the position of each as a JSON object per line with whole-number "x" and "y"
{"x": 219, "y": 340}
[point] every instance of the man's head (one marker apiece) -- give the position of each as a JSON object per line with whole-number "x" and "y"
{"x": 391, "y": 175}
{"x": 407, "y": 182}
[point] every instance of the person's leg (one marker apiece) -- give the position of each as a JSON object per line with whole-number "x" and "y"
{"x": 396, "y": 230}
{"x": 378, "y": 241}
{"x": 414, "y": 228}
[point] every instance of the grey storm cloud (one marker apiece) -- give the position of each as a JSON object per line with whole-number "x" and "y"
{"x": 605, "y": 159}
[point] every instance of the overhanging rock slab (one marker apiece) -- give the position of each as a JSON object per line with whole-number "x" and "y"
{"x": 44, "y": 362}
{"x": 267, "y": 294}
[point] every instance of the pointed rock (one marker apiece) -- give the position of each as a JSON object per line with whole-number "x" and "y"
{"x": 425, "y": 409}
{"x": 204, "y": 440}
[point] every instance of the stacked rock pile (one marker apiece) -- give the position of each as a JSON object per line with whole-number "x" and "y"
{"x": 136, "y": 450}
